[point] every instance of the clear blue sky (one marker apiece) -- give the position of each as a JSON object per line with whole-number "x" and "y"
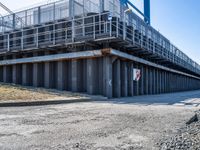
{"x": 178, "y": 20}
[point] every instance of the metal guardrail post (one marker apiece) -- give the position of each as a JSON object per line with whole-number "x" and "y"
{"x": 8, "y": 43}
{"x": 124, "y": 28}
{"x": 117, "y": 28}
{"x": 83, "y": 26}
{"x": 36, "y": 38}
{"x": 133, "y": 36}
{"x": 94, "y": 29}
{"x": 73, "y": 29}
{"x": 39, "y": 15}
{"x": 54, "y": 36}
{"x": 110, "y": 28}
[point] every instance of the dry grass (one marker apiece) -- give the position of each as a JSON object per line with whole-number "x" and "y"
{"x": 10, "y": 92}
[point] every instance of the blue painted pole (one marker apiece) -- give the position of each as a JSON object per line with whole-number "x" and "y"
{"x": 147, "y": 18}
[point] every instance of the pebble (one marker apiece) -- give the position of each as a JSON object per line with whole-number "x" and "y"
{"x": 187, "y": 138}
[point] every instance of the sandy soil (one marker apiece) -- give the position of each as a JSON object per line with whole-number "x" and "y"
{"x": 16, "y": 93}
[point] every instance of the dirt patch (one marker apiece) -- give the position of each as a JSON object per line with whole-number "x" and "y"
{"x": 10, "y": 92}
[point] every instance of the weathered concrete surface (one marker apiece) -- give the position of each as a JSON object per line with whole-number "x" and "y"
{"x": 129, "y": 123}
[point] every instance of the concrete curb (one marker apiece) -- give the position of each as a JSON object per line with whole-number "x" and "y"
{"x": 42, "y": 103}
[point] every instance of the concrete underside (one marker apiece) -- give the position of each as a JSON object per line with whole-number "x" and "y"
{"x": 101, "y": 72}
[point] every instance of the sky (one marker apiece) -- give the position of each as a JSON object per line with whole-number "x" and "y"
{"x": 178, "y": 20}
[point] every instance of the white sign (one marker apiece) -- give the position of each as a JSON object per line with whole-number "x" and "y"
{"x": 136, "y": 74}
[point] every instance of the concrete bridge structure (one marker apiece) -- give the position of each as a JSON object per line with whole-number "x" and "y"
{"x": 91, "y": 47}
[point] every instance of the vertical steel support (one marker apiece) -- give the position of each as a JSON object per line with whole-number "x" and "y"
{"x": 91, "y": 76}
{"x": 60, "y": 75}
{"x": 142, "y": 81}
{"x": 117, "y": 78}
{"x": 8, "y": 42}
{"x": 107, "y": 77}
{"x": 130, "y": 80}
{"x": 146, "y": 80}
{"x": 74, "y": 75}
{"x": 14, "y": 21}
{"x": 36, "y": 38}
{"x": 14, "y": 72}
{"x": 39, "y": 15}
{"x": 147, "y": 18}
{"x": 124, "y": 81}
{"x": 35, "y": 73}
{"x": 101, "y": 5}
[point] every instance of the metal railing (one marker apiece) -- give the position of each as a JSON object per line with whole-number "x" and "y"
{"x": 64, "y": 31}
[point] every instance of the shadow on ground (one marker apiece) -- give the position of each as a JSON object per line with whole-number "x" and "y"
{"x": 180, "y": 98}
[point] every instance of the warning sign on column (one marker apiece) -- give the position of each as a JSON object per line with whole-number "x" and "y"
{"x": 136, "y": 74}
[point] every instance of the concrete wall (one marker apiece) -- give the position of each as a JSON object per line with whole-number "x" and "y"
{"x": 108, "y": 76}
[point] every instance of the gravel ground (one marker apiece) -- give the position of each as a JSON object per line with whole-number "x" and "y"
{"x": 91, "y": 125}
{"x": 187, "y": 138}
{"x": 138, "y": 123}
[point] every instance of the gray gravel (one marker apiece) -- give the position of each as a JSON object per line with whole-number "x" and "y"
{"x": 187, "y": 138}
{"x": 113, "y": 125}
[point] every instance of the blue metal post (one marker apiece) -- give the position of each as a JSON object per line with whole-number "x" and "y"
{"x": 147, "y": 11}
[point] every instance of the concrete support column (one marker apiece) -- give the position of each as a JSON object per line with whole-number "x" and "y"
{"x": 157, "y": 82}
{"x": 162, "y": 81}
{"x": 124, "y": 81}
{"x": 1, "y": 73}
{"x": 7, "y": 73}
{"x": 27, "y": 74}
{"x": 150, "y": 81}
{"x": 142, "y": 80}
{"x": 154, "y": 80}
{"x": 107, "y": 76}
{"x": 60, "y": 75}
{"x": 24, "y": 75}
{"x": 146, "y": 80}
{"x": 74, "y": 71}
{"x": 36, "y": 74}
{"x": 91, "y": 76}
{"x": 47, "y": 74}
{"x": 130, "y": 80}
{"x": 4, "y": 74}
{"x": 117, "y": 79}
{"x": 14, "y": 72}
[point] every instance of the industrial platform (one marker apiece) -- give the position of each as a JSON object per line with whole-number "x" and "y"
{"x": 84, "y": 46}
